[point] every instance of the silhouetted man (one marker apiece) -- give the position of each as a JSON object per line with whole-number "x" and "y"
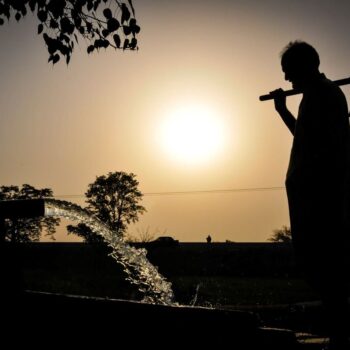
{"x": 317, "y": 182}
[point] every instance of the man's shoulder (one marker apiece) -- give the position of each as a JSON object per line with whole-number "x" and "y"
{"x": 329, "y": 88}
{"x": 328, "y": 83}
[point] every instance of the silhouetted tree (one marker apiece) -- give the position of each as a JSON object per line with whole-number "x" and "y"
{"x": 102, "y": 24}
{"x": 114, "y": 199}
{"x": 282, "y": 235}
{"x": 27, "y": 230}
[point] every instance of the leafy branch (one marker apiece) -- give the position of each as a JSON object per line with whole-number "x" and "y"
{"x": 62, "y": 21}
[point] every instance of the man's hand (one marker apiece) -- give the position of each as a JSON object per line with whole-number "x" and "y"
{"x": 280, "y": 105}
{"x": 280, "y": 100}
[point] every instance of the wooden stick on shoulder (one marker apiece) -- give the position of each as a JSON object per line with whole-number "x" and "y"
{"x": 295, "y": 92}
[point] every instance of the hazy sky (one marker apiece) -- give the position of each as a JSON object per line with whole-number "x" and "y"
{"x": 205, "y": 62}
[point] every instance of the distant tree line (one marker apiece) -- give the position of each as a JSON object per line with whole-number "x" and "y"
{"x": 113, "y": 198}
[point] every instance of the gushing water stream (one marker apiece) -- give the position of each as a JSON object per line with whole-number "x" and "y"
{"x": 139, "y": 270}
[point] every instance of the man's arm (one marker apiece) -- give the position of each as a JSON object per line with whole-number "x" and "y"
{"x": 288, "y": 119}
{"x": 281, "y": 108}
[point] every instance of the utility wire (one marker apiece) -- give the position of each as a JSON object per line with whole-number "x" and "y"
{"x": 231, "y": 190}
{"x": 195, "y": 192}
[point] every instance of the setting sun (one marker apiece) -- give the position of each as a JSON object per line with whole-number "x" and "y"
{"x": 192, "y": 133}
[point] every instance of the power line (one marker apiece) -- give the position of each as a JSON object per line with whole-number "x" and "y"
{"x": 230, "y": 190}
{"x": 195, "y": 192}
{"x": 69, "y": 196}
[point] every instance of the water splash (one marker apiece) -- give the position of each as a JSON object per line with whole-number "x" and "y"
{"x": 194, "y": 300}
{"x": 139, "y": 270}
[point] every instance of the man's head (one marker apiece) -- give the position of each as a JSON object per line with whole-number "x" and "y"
{"x": 300, "y": 62}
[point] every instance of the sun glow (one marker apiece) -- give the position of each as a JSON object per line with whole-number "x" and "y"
{"x": 193, "y": 134}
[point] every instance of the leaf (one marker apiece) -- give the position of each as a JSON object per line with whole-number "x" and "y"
{"x": 133, "y": 43}
{"x": 18, "y": 16}
{"x": 56, "y": 58}
{"x": 113, "y": 24}
{"x": 105, "y": 32}
{"x": 41, "y": 3}
{"x": 7, "y": 12}
{"x": 65, "y": 23}
{"x": 125, "y": 13}
{"x": 32, "y": 4}
{"x": 116, "y": 39}
{"x": 126, "y": 44}
{"x": 98, "y": 43}
{"x": 40, "y": 28}
{"x": 90, "y": 49}
{"x": 65, "y": 38}
{"x": 132, "y": 7}
{"x": 77, "y": 21}
{"x": 46, "y": 38}
{"x": 89, "y": 5}
{"x": 64, "y": 49}
{"x": 105, "y": 43}
{"x": 53, "y": 45}
{"x": 56, "y": 8}
{"x": 107, "y": 13}
{"x": 42, "y": 15}
{"x": 126, "y": 30}
{"x": 68, "y": 59}
{"x": 53, "y": 24}
{"x": 135, "y": 30}
{"x": 1, "y": 21}
{"x": 88, "y": 26}
{"x": 23, "y": 11}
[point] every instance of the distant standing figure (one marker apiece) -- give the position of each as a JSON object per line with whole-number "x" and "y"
{"x": 208, "y": 239}
{"x": 317, "y": 183}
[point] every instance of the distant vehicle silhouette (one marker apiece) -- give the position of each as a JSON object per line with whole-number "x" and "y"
{"x": 164, "y": 241}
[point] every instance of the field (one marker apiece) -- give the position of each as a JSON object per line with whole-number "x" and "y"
{"x": 261, "y": 278}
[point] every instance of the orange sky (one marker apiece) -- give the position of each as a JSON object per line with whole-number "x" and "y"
{"x": 63, "y": 126}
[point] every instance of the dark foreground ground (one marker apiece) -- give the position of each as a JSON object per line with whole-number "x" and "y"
{"x": 56, "y": 320}
{"x": 256, "y": 279}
